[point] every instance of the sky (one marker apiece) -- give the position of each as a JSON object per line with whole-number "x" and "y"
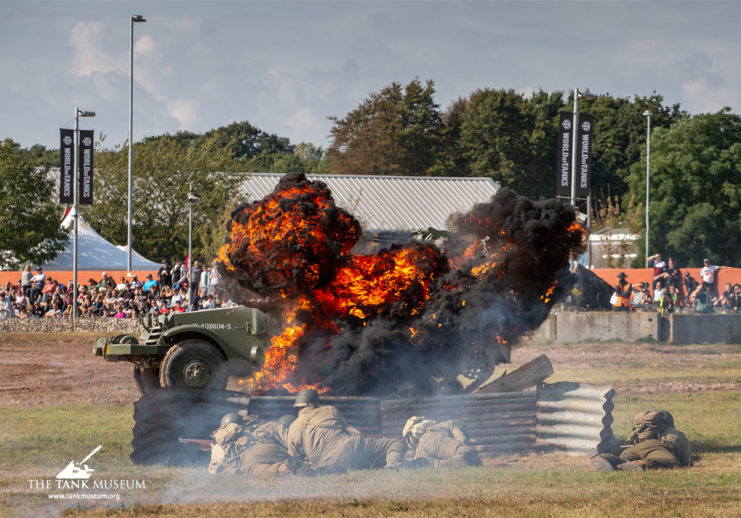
{"x": 286, "y": 67}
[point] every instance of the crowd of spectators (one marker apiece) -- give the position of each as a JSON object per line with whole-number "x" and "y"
{"x": 670, "y": 290}
{"x": 37, "y": 295}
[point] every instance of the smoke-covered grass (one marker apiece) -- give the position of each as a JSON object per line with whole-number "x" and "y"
{"x": 37, "y": 442}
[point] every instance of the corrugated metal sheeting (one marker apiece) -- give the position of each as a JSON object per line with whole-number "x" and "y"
{"x": 391, "y": 202}
{"x": 576, "y": 418}
{"x": 569, "y": 417}
{"x": 496, "y": 423}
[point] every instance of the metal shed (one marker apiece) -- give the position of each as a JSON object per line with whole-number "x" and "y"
{"x": 390, "y": 203}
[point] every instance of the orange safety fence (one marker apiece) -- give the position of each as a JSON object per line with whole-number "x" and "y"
{"x": 65, "y": 276}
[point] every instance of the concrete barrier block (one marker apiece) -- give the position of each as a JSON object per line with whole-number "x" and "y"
{"x": 574, "y": 326}
{"x": 700, "y": 329}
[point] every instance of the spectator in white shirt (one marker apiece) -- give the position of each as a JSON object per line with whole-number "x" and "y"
{"x": 709, "y": 274}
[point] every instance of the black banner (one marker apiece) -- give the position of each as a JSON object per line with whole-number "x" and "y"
{"x": 66, "y": 163}
{"x": 584, "y": 155}
{"x": 85, "y": 163}
{"x": 563, "y": 165}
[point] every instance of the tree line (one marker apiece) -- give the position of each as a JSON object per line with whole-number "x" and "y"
{"x": 401, "y": 130}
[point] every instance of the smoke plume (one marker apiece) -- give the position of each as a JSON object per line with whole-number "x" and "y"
{"x": 405, "y": 320}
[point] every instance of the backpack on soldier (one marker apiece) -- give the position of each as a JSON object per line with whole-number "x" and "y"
{"x": 649, "y": 425}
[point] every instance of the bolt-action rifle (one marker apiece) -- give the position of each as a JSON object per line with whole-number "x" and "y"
{"x": 204, "y": 444}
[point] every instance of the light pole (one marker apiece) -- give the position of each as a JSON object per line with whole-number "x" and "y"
{"x": 192, "y": 200}
{"x": 76, "y": 198}
{"x": 134, "y": 19}
{"x": 647, "y": 114}
{"x": 587, "y": 96}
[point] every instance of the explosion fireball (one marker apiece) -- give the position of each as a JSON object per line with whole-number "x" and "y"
{"x": 407, "y": 319}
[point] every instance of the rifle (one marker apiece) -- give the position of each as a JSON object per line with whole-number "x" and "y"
{"x": 203, "y": 444}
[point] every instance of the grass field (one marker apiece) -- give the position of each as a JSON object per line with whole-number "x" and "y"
{"x": 37, "y": 441}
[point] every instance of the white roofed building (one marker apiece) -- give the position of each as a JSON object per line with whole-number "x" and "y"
{"x": 390, "y": 203}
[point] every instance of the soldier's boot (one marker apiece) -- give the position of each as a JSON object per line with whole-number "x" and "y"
{"x": 632, "y": 465}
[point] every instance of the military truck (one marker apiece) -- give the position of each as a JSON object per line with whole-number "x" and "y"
{"x": 197, "y": 350}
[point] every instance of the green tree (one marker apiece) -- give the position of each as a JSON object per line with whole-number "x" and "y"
{"x": 509, "y": 138}
{"x": 396, "y": 131}
{"x": 241, "y": 141}
{"x": 39, "y": 156}
{"x": 695, "y": 188}
{"x": 303, "y": 158}
{"x": 619, "y": 136}
{"x": 164, "y": 168}
{"x": 450, "y": 160}
{"x": 29, "y": 214}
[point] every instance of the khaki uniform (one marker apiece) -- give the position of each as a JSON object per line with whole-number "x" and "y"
{"x": 322, "y": 436}
{"x": 653, "y": 444}
{"x": 445, "y": 444}
{"x": 670, "y": 450}
{"x": 268, "y": 456}
{"x": 225, "y": 454}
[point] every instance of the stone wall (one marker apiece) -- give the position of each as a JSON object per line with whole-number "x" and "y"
{"x": 65, "y": 325}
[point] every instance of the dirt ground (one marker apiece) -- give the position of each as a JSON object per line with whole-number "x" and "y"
{"x": 37, "y": 370}
{"x": 40, "y": 369}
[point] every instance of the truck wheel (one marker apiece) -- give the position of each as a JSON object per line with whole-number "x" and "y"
{"x": 147, "y": 379}
{"x": 193, "y": 364}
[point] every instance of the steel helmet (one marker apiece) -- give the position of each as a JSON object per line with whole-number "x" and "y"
{"x": 415, "y": 428}
{"x": 231, "y": 417}
{"x": 409, "y": 424}
{"x": 306, "y": 397}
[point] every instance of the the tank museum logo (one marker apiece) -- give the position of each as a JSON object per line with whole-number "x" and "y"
{"x": 76, "y": 476}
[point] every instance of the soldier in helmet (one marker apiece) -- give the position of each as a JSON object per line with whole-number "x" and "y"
{"x": 268, "y": 454}
{"x": 443, "y": 444}
{"x": 653, "y": 444}
{"x": 230, "y": 442}
{"x": 322, "y": 436}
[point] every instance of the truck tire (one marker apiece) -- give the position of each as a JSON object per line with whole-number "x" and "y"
{"x": 193, "y": 364}
{"x": 147, "y": 379}
{"x": 165, "y": 415}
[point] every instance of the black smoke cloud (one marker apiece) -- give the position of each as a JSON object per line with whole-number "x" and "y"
{"x": 506, "y": 263}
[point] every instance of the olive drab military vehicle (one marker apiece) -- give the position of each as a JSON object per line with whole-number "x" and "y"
{"x": 197, "y": 350}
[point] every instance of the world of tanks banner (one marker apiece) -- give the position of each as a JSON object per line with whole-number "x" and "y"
{"x": 583, "y": 154}
{"x": 563, "y": 166}
{"x": 584, "y": 157}
{"x": 85, "y": 167}
{"x": 66, "y": 149}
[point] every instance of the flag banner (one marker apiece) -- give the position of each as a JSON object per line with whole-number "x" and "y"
{"x": 85, "y": 163}
{"x": 563, "y": 165}
{"x": 66, "y": 163}
{"x": 584, "y": 155}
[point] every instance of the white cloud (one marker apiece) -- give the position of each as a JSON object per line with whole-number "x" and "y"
{"x": 145, "y": 46}
{"x": 699, "y": 96}
{"x": 184, "y": 111}
{"x": 88, "y": 54}
{"x": 303, "y": 122}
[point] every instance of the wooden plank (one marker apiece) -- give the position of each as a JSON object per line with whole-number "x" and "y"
{"x": 524, "y": 377}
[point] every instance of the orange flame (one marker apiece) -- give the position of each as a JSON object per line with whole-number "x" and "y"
{"x": 546, "y": 297}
